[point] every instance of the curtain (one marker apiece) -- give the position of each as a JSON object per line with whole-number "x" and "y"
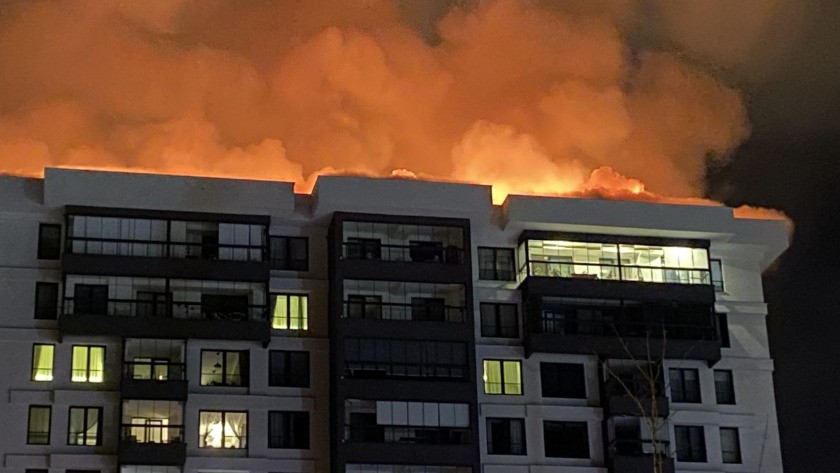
{"x": 513, "y": 377}
{"x": 492, "y": 377}
{"x": 80, "y": 364}
{"x": 76, "y": 428}
{"x": 210, "y": 429}
{"x": 96, "y": 365}
{"x": 279, "y": 316}
{"x": 42, "y": 361}
{"x": 236, "y": 429}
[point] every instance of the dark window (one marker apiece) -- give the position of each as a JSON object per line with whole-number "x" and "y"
{"x": 290, "y": 253}
{"x": 153, "y": 304}
{"x": 90, "y": 299}
{"x": 372, "y": 358}
{"x": 224, "y": 368}
{"x": 288, "y": 429}
{"x": 724, "y": 387}
{"x": 49, "y": 241}
{"x": 425, "y": 251}
{"x": 499, "y": 320}
{"x": 219, "y": 306}
{"x": 496, "y": 264}
{"x": 84, "y": 427}
{"x": 730, "y": 445}
{"x": 363, "y": 248}
{"x": 717, "y": 274}
{"x": 505, "y": 436}
{"x": 563, "y": 380}
{"x": 33, "y": 470}
{"x": 38, "y": 432}
{"x": 288, "y": 368}
{"x": 566, "y": 439}
{"x": 428, "y": 308}
{"x": 685, "y": 385}
{"x": 691, "y": 444}
{"x": 46, "y": 300}
{"x": 723, "y": 323}
{"x": 361, "y": 306}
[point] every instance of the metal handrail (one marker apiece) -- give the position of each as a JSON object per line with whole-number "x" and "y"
{"x": 407, "y": 434}
{"x": 172, "y": 309}
{"x": 451, "y": 313}
{"x": 450, "y": 254}
{"x": 164, "y": 248}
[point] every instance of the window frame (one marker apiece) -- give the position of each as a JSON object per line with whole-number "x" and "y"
{"x": 737, "y": 452}
{"x": 53, "y": 313}
{"x": 508, "y": 421}
{"x": 99, "y": 419}
{"x": 34, "y": 368}
{"x": 503, "y": 382}
{"x": 285, "y": 417}
{"x": 567, "y": 426}
{"x": 544, "y": 365}
{"x": 728, "y": 399}
{"x": 703, "y": 457}
{"x": 686, "y": 398}
{"x": 290, "y": 263}
{"x": 497, "y": 318}
{"x": 303, "y": 319}
{"x": 29, "y": 431}
{"x": 495, "y": 270}
{"x": 223, "y": 415}
{"x": 45, "y": 252}
{"x": 718, "y": 285}
{"x": 91, "y": 299}
{"x": 244, "y": 368}
{"x": 87, "y": 367}
{"x": 286, "y": 381}
{"x": 723, "y": 328}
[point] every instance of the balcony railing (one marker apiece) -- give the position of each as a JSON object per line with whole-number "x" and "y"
{"x": 628, "y": 328}
{"x": 394, "y": 370}
{"x": 173, "y": 309}
{"x": 407, "y": 434}
{"x": 165, "y": 249}
{"x": 426, "y": 253}
{"x": 152, "y": 433}
{"x": 638, "y": 447}
{"x": 155, "y": 370}
{"x": 403, "y": 311}
{"x": 618, "y": 272}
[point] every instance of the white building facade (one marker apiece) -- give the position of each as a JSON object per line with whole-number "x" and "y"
{"x": 163, "y": 324}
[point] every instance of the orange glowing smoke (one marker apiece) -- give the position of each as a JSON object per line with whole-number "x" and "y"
{"x": 532, "y": 97}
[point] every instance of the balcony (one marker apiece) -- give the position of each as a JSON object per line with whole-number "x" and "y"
{"x": 156, "y": 379}
{"x": 405, "y": 444}
{"x": 620, "y": 402}
{"x": 149, "y": 444}
{"x": 639, "y": 456}
{"x": 621, "y": 328}
{"x": 416, "y": 311}
{"x": 164, "y": 318}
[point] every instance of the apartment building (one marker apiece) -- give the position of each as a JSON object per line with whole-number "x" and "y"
{"x": 165, "y": 324}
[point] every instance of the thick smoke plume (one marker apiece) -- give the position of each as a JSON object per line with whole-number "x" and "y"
{"x": 525, "y": 95}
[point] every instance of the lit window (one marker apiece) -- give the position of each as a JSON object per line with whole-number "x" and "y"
{"x": 88, "y": 364}
{"x": 42, "y": 362}
{"x": 224, "y": 368}
{"x": 38, "y": 432}
{"x": 502, "y": 377}
{"x": 730, "y": 445}
{"x": 83, "y": 428}
{"x": 220, "y": 429}
{"x": 290, "y": 312}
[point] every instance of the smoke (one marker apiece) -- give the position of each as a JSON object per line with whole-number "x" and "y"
{"x": 525, "y": 95}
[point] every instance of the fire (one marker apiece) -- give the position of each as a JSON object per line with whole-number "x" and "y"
{"x": 538, "y": 98}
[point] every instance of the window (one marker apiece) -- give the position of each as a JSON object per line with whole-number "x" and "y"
{"x": 499, "y": 320}
{"x": 361, "y": 306}
{"x": 88, "y": 364}
{"x": 46, "y": 300}
{"x": 290, "y": 312}
{"x": 723, "y": 323}
{"x": 378, "y": 358}
{"x": 495, "y": 264}
{"x": 42, "y": 362}
{"x": 222, "y": 429}
{"x": 502, "y": 377}
{"x": 288, "y": 368}
{"x": 224, "y": 368}
{"x": 290, "y": 253}
{"x": 566, "y": 439}
{"x": 428, "y": 309}
{"x": 288, "y": 429}
{"x": 380, "y": 468}
{"x": 83, "y": 427}
{"x": 38, "y": 432}
{"x": 563, "y": 380}
{"x": 730, "y": 445}
{"x": 685, "y": 385}
{"x": 724, "y": 387}
{"x": 505, "y": 436}
{"x": 691, "y": 444}
{"x": 90, "y": 299}
{"x": 49, "y": 241}
{"x": 220, "y": 306}
{"x": 717, "y": 274}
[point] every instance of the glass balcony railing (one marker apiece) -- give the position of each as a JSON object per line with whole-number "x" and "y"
{"x": 152, "y": 432}
{"x": 403, "y": 311}
{"x": 154, "y": 370}
{"x": 407, "y": 434}
{"x": 429, "y": 252}
{"x": 173, "y": 309}
{"x": 165, "y": 249}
